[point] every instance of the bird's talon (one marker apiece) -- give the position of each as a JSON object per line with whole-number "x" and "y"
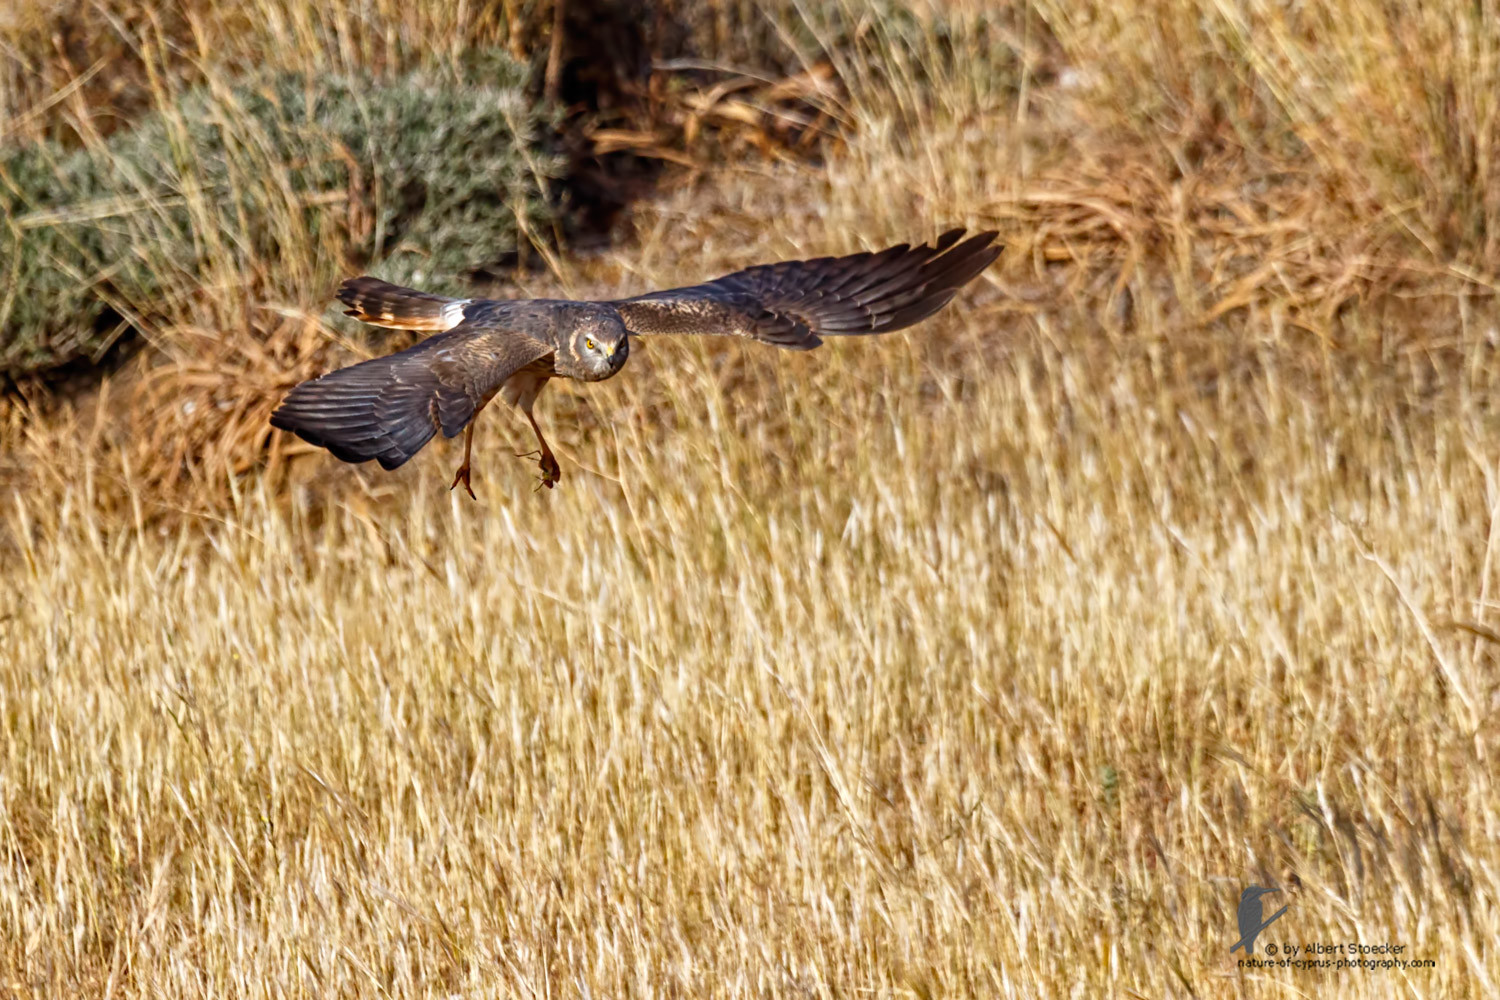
{"x": 551, "y": 471}
{"x": 462, "y": 476}
{"x": 547, "y": 462}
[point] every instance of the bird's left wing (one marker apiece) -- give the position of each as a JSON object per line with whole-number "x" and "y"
{"x": 794, "y": 303}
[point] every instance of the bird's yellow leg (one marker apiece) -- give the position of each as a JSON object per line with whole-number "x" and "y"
{"x": 462, "y": 475}
{"x": 551, "y": 471}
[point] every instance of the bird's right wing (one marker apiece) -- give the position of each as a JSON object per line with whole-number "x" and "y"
{"x": 791, "y": 303}
{"x": 388, "y": 408}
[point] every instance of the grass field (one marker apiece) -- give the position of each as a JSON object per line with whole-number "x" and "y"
{"x": 990, "y": 659}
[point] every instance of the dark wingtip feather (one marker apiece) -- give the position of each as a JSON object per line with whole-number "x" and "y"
{"x": 360, "y": 413}
{"x": 949, "y": 238}
{"x": 916, "y": 293}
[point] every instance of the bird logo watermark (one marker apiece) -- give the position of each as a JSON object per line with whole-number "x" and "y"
{"x": 1249, "y": 914}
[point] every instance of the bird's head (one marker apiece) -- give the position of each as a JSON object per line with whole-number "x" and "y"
{"x": 594, "y": 338}
{"x": 1255, "y": 892}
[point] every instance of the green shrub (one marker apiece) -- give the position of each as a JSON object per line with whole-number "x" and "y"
{"x": 50, "y": 312}
{"x": 266, "y": 194}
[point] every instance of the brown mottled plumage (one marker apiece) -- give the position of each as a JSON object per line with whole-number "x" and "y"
{"x": 388, "y": 408}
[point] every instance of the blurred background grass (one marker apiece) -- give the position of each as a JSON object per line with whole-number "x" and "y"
{"x": 990, "y": 659}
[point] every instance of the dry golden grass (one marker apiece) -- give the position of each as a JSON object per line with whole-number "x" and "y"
{"x": 992, "y": 659}
{"x": 989, "y": 660}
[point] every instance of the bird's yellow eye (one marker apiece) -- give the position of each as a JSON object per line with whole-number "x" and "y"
{"x": 588, "y": 342}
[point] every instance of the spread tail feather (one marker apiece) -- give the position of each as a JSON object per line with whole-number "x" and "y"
{"x": 381, "y": 303}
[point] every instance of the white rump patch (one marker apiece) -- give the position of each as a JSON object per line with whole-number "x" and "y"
{"x": 453, "y": 313}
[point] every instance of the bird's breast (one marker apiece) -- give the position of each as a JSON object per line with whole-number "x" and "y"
{"x": 521, "y": 389}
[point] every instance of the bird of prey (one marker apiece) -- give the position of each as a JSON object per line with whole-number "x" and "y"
{"x": 1248, "y": 915}
{"x": 387, "y": 408}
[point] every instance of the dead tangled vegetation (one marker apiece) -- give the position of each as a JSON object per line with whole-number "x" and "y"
{"x": 989, "y": 660}
{"x": 1211, "y": 162}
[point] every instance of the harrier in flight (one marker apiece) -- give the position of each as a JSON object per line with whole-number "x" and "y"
{"x": 388, "y": 408}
